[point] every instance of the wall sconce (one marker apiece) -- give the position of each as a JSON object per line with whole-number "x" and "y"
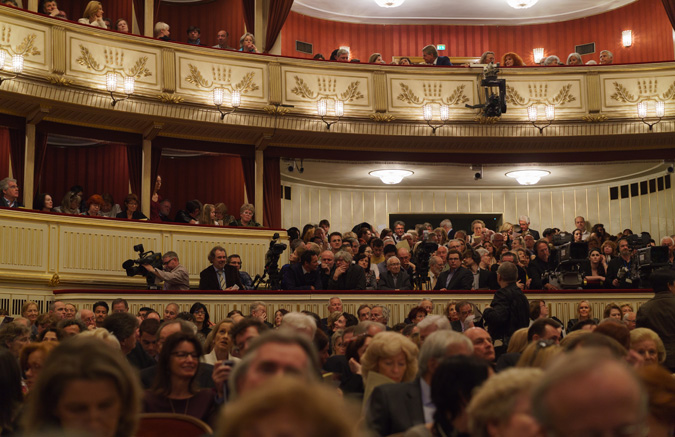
{"x": 322, "y": 110}
{"x": 429, "y": 115}
{"x": 532, "y": 116}
{"x": 17, "y": 65}
{"x": 538, "y": 54}
{"x": 218, "y": 94}
{"x": 660, "y": 109}
{"x": 627, "y": 38}
{"x": 111, "y": 86}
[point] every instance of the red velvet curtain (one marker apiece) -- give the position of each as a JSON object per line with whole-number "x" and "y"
{"x": 279, "y": 10}
{"x": 17, "y": 147}
{"x": 249, "y": 15}
{"x": 209, "y": 16}
{"x": 272, "y": 192}
{"x": 4, "y": 152}
{"x": 99, "y": 169}
{"x": 211, "y": 179}
{"x": 248, "y": 167}
{"x": 135, "y": 160}
{"x": 669, "y": 6}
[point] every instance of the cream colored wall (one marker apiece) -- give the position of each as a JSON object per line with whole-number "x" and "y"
{"x": 552, "y": 207}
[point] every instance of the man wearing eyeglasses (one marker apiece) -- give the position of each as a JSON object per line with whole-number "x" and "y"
{"x": 174, "y": 274}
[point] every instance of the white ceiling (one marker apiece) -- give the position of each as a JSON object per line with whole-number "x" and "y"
{"x": 473, "y": 12}
{"x": 345, "y": 174}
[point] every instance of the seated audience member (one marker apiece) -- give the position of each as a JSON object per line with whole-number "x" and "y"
{"x": 345, "y": 275}
{"x": 43, "y": 202}
{"x": 123, "y": 326}
{"x": 222, "y": 217}
{"x": 108, "y": 22}
{"x": 219, "y": 343}
{"x": 247, "y": 43}
{"x": 70, "y": 327}
{"x": 539, "y": 354}
{"x": 221, "y": 38}
{"x": 430, "y": 55}
{"x": 487, "y": 58}
{"x": 109, "y": 208}
{"x": 32, "y": 359}
{"x": 85, "y": 374}
{"x": 191, "y": 212}
{"x": 121, "y": 25}
{"x": 246, "y": 213}
{"x": 606, "y": 57}
{"x": 404, "y": 61}
{"x": 162, "y": 31}
{"x": 376, "y": 58}
{"x": 319, "y": 57}
{"x": 235, "y": 261}
{"x": 219, "y": 275}
{"x": 516, "y": 347}
{"x": 389, "y": 358}
{"x": 648, "y": 345}
{"x": 511, "y": 59}
{"x": 193, "y": 35}
{"x": 574, "y": 59}
{"x": 592, "y": 62}
{"x": 208, "y": 215}
{"x": 131, "y": 211}
{"x": 660, "y": 387}
{"x": 502, "y": 405}
{"x": 552, "y": 61}
{"x": 564, "y": 405}
{"x": 13, "y": 391}
{"x": 395, "y": 278}
{"x": 94, "y": 205}
{"x": 456, "y": 277}
{"x": 13, "y": 337}
{"x": 303, "y": 275}
{"x": 309, "y": 407}
{"x": 164, "y": 210}
{"x": 584, "y": 312}
{"x": 175, "y": 389}
{"x": 10, "y": 193}
{"x": 341, "y": 55}
{"x": 481, "y": 276}
{"x": 93, "y": 15}
{"x": 363, "y": 260}
{"x": 50, "y": 8}
{"x": 148, "y": 337}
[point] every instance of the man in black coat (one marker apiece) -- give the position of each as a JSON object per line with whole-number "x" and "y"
{"x": 509, "y": 310}
{"x": 622, "y": 270}
{"x": 345, "y": 275}
{"x": 219, "y": 275}
{"x": 657, "y": 313}
{"x": 9, "y": 196}
{"x": 394, "y": 278}
{"x": 457, "y": 277}
{"x": 303, "y": 275}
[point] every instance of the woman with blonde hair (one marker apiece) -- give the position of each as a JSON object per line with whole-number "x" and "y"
{"x": 29, "y": 310}
{"x": 208, "y": 215}
{"x": 584, "y": 312}
{"x": 93, "y": 15}
{"x": 218, "y": 343}
{"x": 390, "y": 358}
{"x": 70, "y": 204}
{"x": 246, "y": 213}
{"x": 222, "y": 217}
{"x": 247, "y": 43}
{"x": 32, "y": 359}
{"x": 648, "y": 344}
{"x": 539, "y": 354}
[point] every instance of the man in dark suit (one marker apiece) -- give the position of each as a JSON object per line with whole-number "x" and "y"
{"x": 394, "y": 408}
{"x": 394, "y": 278}
{"x": 457, "y": 277}
{"x": 657, "y": 313}
{"x": 524, "y": 222}
{"x": 447, "y": 225}
{"x": 219, "y": 276}
{"x": 303, "y": 275}
{"x": 345, "y": 275}
{"x": 10, "y": 193}
{"x": 430, "y": 55}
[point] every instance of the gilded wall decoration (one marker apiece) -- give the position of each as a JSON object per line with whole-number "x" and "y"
{"x": 276, "y": 110}
{"x": 405, "y": 92}
{"x": 646, "y": 89}
{"x": 59, "y": 80}
{"x": 16, "y": 39}
{"x": 327, "y": 87}
{"x": 382, "y": 118}
{"x": 113, "y": 61}
{"x": 594, "y": 118}
{"x": 26, "y": 48}
{"x": 170, "y": 98}
{"x": 539, "y": 95}
{"x": 196, "y": 74}
{"x": 433, "y": 92}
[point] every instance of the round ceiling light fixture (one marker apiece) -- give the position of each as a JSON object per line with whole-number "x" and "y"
{"x": 528, "y": 177}
{"x": 391, "y": 177}
{"x": 389, "y": 3}
{"x": 521, "y": 4}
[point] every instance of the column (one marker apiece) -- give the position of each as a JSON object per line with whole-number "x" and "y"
{"x": 28, "y": 187}
{"x": 259, "y": 200}
{"x": 149, "y": 25}
{"x": 261, "y": 10}
{"x": 146, "y": 175}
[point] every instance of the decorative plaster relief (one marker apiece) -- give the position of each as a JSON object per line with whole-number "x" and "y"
{"x": 16, "y": 39}
{"x": 93, "y": 58}
{"x": 564, "y": 94}
{"x": 629, "y": 89}
{"x": 205, "y": 74}
{"x": 308, "y": 86}
{"x": 406, "y": 92}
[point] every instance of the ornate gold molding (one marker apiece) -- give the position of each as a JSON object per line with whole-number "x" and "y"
{"x": 59, "y": 80}
{"x": 114, "y": 61}
{"x": 222, "y": 77}
{"x": 433, "y": 92}
{"x": 276, "y": 110}
{"x": 382, "y": 118}
{"x": 327, "y": 87}
{"x": 170, "y": 98}
{"x": 26, "y": 47}
{"x": 55, "y": 280}
{"x": 594, "y": 118}
{"x": 539, "y": 95}
{"x": 481, "y": 119}
{"x": 646, "y": 90}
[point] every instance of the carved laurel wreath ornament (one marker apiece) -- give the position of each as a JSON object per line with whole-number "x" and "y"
{"x": 222, "y": 76}
{"x": 646, "y": 89}
{"x": 114, "y": 60}
{"x": 433, "y": 92}
{"x": 539, "y": 95}
{"x": 327, "y": 87}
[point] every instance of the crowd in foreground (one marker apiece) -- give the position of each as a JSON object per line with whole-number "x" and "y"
{"x": 510, "y": 371}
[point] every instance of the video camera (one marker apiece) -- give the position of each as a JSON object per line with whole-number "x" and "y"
{"x": 423, "y": 253}
{"x": 568, "y": 258}
{"x": 271, "y": 265}
{"x": 495, "y": 103}
{"x": 133, "y": 266}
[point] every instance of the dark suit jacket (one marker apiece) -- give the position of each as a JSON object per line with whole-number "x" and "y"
{"x": 483, "y": 279}
{"x": 394, "y": 408}
{"x": 139, "y": 358}
{"x": 204, "y": 376}
{"x": 208, "y": 278}
{"x": 451, "y": 234}
{"x": 386, "y": 281}
{"x": 443, "y": 60}
{"x": 461, "y": 280}
{"x": 294, "y": 278}
{"x": 3, "y": 202}
{"x": 353, "y": 279}
{"x": 508, "y": 312}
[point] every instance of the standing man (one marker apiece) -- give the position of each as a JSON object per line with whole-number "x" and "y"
{"x": 219, "y": 276}
{"x": 580, "y": 223}
{"x": 174, "y": 275}
{"x": 10, "y": 193}
{"x": 657, "y": 313}
{"x": 335, "y": 241}
{"x": 221, "y": 38}
{"x": 524, "y": 223}
{"x": 430, "y": 55}
{"x": 399, "y": 230}
{"x": 447, "y": 226}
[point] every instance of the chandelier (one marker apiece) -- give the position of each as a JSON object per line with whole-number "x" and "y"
{"x": 528, "y": 177}
{"x": 521, "y": 4}
{"x": 391, "y": 177}
{"x": 389, "y": 3}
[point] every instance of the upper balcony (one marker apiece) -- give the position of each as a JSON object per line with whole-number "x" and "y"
{"x": 66, "y": 63}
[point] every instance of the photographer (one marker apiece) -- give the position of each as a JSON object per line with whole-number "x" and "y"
{"x": 174, "y": 275}
{"x": 622, "y": 271}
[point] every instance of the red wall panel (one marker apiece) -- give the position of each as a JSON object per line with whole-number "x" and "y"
{"x": 209, "y": 17}
{"x": 111, "y": 9}
{"x": 652, "y": 36}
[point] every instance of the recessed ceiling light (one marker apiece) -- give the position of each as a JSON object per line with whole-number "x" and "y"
{"x": 528, "y": 177}
{"x": 521, "y": 4}
{"x": 391, "y": 177}
{"x": 389, "y": 3}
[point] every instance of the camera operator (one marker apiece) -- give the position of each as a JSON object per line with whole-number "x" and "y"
{"x": 540, "y": 266}
{"x": 622, "y": 271}
{"x": 174, "y": 275}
